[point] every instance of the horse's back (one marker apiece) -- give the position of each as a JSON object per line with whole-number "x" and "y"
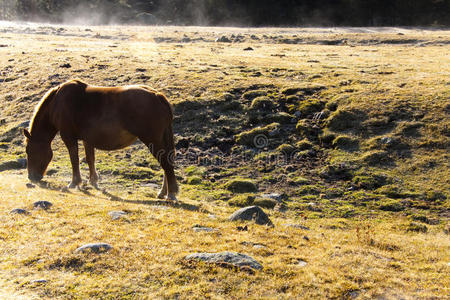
{"x": 112, "y": 115}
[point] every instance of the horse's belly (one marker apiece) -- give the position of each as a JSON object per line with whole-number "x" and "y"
{"x": 112, "y": 140}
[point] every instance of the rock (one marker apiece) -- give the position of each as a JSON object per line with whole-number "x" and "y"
{"x": 198, "y": 228}
{"x": 297, "y": 226}
{"x": 242, "y": 228}
{"x": 274, "y": 196}
{"x": 94, "y": 247}
{"x": 301, "y": 263}
{"x": 42, "y": 205}
{"x": 19, "y": 211}
{"x": 248, "y": 49}
{"x": 223, "y": 39}
{"x": 18, "y": 164}
{"x": 116, "y": 214}
{"x": 232, "y": 258}
{"x": 66, "y": 65}
{"x": 251, "y": 213}
{"x": 38, "y": 281}
{"x": 254, "y": 245}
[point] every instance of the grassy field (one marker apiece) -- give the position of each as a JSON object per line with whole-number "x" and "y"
{"x": 350, "y": 126}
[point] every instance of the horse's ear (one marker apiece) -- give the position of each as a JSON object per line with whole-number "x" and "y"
{"x": 27, "y": 134}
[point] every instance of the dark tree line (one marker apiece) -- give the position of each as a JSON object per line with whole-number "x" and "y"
{"x": 236, "y": 12}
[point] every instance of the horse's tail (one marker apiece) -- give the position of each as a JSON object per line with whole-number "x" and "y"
{"x": 166, "y": 102}
{"x": 168, "y": 139}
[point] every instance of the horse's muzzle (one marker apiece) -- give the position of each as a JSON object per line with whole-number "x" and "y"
{"x": 34, "y": 177}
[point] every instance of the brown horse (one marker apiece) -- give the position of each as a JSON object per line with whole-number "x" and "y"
{"x": 106, "y": 118}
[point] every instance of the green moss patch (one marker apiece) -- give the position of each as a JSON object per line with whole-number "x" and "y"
{"x": 242, "y": 200}
{"x": 265, "y": 202}
{"x": 346, "y": 143}
{"x": 310, "y": 106}
{"x": 241, "y": 186}
{"x": 262, "y": 103}
{"x": 250, "y": 95}
{"x": 346, "y": 120}
{"x": 257, "y": 136}
{"x": 193, "y": 180}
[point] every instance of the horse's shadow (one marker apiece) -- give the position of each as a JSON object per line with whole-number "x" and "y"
{"x": 112, "y": 197}
{"x": 174, "y": 204}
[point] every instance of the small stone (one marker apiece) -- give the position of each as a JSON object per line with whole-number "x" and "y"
{"x": 42, "y": 205}
{"x": 19, "y": 211}
{"x": 274, "y": 196}
{"x": 30, "y": 185}
{"x": 250, "y": 213}
{"x": 116, "y": 214}
{"x": 39, "y": 281}
{"x": 248, "y": 49}
{"x": 259, "y": 246}
{"x": 198, "y": 228}
{"x": 297, "y": 226}
{"x": 232, "y": 258}
{"x": 22, "y": 162}
{"x": 301, "y": 263}
{"x": 66, "y": 65}
{"x": 223, "y": 39}
{"x": 94, "y": 247}
{"x": 242, "y": 228}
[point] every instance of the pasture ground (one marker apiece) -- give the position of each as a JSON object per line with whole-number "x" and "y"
{"x": 350, "y": 125}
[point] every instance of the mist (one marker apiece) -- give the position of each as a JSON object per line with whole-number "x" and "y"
{"x": 231, "y": 12}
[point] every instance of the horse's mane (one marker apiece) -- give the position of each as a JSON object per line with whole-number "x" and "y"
{"x": 47, "y": 98}
{"x": 43, "y": 103}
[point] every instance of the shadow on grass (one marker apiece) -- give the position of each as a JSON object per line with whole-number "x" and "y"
{"x": 85, "y": 190}
{"x": 177, "y": 204}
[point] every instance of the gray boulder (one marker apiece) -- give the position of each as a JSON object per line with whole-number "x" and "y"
{"x": 250, "y": 213}
{"x": 232, "y": 258}
{"x": 19, "y": 211}
{"x": 223, "y": 39}
{"x": 198, "y": 228}
{"x": 94, "y": 247}
{"x": 116, "y": 214}
{"x": 42, "y": 205}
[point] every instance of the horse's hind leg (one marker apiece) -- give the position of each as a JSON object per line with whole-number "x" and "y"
{"x": 90, "y": 159}
{"x": 163, "y": 155}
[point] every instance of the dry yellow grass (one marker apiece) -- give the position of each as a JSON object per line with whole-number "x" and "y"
{"x": 358, "y": 257}
{"x": 368, "y": 258}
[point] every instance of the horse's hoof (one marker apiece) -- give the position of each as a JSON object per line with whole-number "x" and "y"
{"x": 72, "y": 186}
{"x": 161, "y": 196}
{"x": 172, "y": 197}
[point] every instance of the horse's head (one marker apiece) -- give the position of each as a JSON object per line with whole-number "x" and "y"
{"x": 39, "y": 155}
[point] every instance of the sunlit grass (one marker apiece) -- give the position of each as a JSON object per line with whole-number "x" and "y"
{"x": 353, "y": 247}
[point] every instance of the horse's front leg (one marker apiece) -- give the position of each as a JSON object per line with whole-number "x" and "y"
{"x": 72, "y": 146}
{"x": 90, "y": 159}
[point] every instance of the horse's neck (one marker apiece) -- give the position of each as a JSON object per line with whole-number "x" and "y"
{"x": 42, "y": 129}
